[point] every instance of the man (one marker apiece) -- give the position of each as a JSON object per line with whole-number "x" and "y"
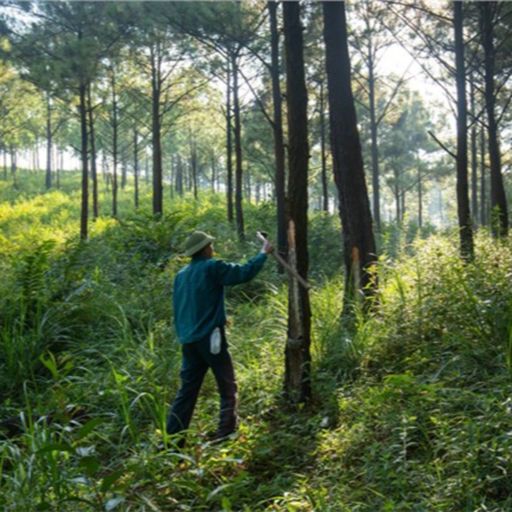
{"x": 200, "y": 318}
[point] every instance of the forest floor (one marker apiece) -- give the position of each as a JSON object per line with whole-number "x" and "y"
{"x": 412, "y": 407}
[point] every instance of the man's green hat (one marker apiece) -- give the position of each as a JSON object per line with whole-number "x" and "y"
{"x": 196, "y": 241}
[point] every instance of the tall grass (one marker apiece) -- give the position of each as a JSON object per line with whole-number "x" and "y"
{"x": 412, "y": 403}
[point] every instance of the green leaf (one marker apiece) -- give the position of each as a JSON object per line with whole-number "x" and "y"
{"x": 88, "y": 428}
{"x": 111, "y": 479}
{"x": 90, "y": 464}
{"x": 56, "y": 447}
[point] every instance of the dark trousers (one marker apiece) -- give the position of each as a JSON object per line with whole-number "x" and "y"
{"x": 197, "y": 358}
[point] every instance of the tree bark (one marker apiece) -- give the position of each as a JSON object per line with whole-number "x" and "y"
{"x": 483, "y": 186}
{"x": 464, "y": 216}
{"x": 48, "y": 142}
{"x": 229, "y": 147}
{"x": 323, "y": 152}
{"x": 279, "y": 155}
{"x": 136, "y": 166}
{"x": 156, "y": 130}
{"x": 114, "y": 145}
{"x": 297, "y": 383}
{"x": 374, "y": 140}
{"x": 193, "y": 163}
{"x": 358, "y": 240}
{"x": 94, "y": 173}
{"x": 499, "y": 214}
{"x": 474, "y": 162}
{"x": 179, "y": 176}
{"x": 239, "y": 213}
{"x": 420, "y": 198}
{"x": 84, "y": 212}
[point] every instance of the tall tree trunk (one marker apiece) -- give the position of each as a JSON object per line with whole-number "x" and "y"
{"x": 323, "y": 153}
{"x": 179, "y": 176}
{"x": 214, "y": 169}
{"x": 156, "y": 131}
{"x": 420, "y": 198}
{"x": 136, "y": 166}
{"x": 464, "y": 216}
{"x": 483, "y": 186}
{"x": 499, "y": 214}
{"x": 48, "y": 142}
{"x": 358, "y": 240}
{"x": 124, "y": 172}
{"x": 14, "y": 165}
{"x": 229, "y": 146}
{"x": 297, "y": 383}
{"x": 474, "y": 162}
{"x": 114, "y": 145}
{"x": 5, "y": 163}
{"x": 84, "y": 214}
{"x": 239, "y": 213}
{"x": 277, "y": 127}
{"x": 193, "y": 163}
{"x": 374, "y": 139}
{"x": 94, "y": 173}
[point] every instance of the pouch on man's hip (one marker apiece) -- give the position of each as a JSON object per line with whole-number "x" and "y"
{"x": 215, "y": 341}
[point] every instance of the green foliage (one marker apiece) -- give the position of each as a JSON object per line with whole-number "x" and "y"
{"x": 412, "y": 401}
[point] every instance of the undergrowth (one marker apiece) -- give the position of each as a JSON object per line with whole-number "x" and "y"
{"x": 411, "y": 408}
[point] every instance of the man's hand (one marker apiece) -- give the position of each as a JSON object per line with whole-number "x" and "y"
{"x": 266, "y": 247}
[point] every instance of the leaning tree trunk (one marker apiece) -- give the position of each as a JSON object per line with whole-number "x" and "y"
{"x": 239, "y": 213}
{"x": 48, "y": 141}
{"x": 297, "y": 353}
{"x": 465, "y": 224}
{"x": 499, "y": 214}
{"x": 280, "y": 174}
{"x": 358, "y": 240}
{"x": 84, "y": 213}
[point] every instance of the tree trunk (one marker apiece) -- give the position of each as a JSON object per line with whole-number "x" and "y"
{"x": 136, "y": 166}
{"x": 483, "y": 187}
{"x": 94, "y": 174}
{"x": 193, "y": 164}
{"x": 229, "y": 147}
{"x": 374, "y": 141}
{"x": 239, "y": 214}
{"x": 464, "y": 216}
{"x": 48, "y": 142}
{"x": 280, "y": 173}
{"x": 297, "y": 383}
{"x": 124, "y": 172}
{"x": 114, "y": 145}
{"x": 85, "y": 164}
{"x": 5, "y": 164}
{"x": 474, "y": 162}
{"x": 325, "y": 192}
{"x": 499, "y": 214}
{"x": 156, "y": 132}
{"x": 179, "y": 176}
{"x": 420, "y": 198}
{"x": 358, "y": 240}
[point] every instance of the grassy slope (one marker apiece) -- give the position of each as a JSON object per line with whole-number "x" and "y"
{"x": 412, "y": 408}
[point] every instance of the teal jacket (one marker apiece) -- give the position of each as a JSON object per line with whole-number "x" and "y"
{"x": 198, "y": 296}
